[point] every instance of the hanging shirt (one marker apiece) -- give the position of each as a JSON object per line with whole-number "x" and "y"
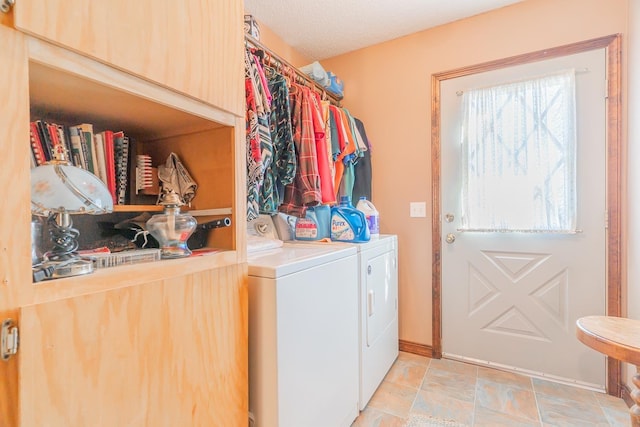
{"x": 255, "y": 168}
{"x": 264, "y": 96}
{"x": 361, "y": 146}
{"x": 305, "y": 189}
{"x": 344, "y": 161}
{"x": 283, "y": 167}
{"x": 352, "y": 159}
{"x": 335, "y": 140}
{"x": 328, "y": 136}
{"x": 342, "y": 143}
{"x": 363, "y": 170}
{"x": 263, "y": 110}
{"x": 324, "y": 171}
{"x": 264, "y": 85}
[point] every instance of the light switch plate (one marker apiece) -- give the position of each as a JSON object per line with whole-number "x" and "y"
{"x": 418, "y": 209}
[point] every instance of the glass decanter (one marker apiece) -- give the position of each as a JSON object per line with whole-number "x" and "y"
{"x": 172, "y": 228}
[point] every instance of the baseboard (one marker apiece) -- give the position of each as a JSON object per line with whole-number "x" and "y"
{"x": 626, "y": 395}
{"x": 415, "y": 348}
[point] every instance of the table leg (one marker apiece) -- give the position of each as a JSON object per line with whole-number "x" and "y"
{"x": 635, "y": 395}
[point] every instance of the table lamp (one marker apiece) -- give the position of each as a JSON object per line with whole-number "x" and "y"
{"x": 171, "y": 228}
{"x": 58, "y": 190}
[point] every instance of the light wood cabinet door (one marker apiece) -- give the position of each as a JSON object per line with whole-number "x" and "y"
{"x": 193, "y": 46}
{"x": 15, "y": 264}
{"x": 165, "y": 353}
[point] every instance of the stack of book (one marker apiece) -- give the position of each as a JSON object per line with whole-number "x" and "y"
{"x": 105, "y": 154}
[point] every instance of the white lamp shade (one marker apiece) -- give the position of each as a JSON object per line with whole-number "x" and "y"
{"x": 60, "y": 187}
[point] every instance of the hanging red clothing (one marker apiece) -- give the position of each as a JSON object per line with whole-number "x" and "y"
{"x": 305, "y": 189}
{"x": 324, "y": 170}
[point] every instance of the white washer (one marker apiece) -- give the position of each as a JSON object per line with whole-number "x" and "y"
{"x": 303, "y": 336}
{"x": 378, "y": 308}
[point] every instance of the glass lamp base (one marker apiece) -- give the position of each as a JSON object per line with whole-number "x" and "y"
{"x": 72, "y": 267}
{"x": 178, "y": 251}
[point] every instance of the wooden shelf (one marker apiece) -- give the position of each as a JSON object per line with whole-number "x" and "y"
{"x": 159, "y": 208}
{"x": 105, "y": 279}
{"x": 209, "y": 212}
{"x": 137, "y": 208}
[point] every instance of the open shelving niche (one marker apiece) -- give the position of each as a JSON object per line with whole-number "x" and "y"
{"x": 68, "y": 88}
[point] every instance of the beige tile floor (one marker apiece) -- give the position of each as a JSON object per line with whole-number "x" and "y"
{"x": 417, "y": 389}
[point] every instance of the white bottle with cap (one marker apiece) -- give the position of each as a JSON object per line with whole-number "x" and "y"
{"x": 371, "y": 213}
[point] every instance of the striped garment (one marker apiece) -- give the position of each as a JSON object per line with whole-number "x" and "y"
{"x": 254, "y": 158}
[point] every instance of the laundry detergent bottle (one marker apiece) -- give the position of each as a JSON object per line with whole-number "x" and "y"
{"x": 371, "y": 213}
{"x": 314, "y": 225}
{"x": 307, "y": 227}
{"x": 348, "y": 224}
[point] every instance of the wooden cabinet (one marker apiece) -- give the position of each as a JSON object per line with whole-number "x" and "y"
{"x": 162, "y": 353}
{"x": 161, "y": 343}
{"x": 191, "y": 46}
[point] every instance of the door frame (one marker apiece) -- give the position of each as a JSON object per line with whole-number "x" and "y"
{"x": 614, "y": 165}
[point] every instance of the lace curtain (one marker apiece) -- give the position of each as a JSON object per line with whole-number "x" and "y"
{"x": 519, "y": 156}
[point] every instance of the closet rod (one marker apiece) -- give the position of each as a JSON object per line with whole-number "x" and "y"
{"x": 276, "y": 61}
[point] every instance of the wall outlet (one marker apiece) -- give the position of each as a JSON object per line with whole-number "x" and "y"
{"x": 418, "y": 209}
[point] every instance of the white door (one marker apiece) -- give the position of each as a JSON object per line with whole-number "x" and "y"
{"x": 511, "y": 299}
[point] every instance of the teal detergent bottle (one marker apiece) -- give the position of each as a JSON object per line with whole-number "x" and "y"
{"x": 314, "y": 225}
{"x": 348, "y": 224}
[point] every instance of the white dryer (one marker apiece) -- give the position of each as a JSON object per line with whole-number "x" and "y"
{"x": 377, "y": 308}
{"x": 303, "y": 336}
{"x": 378, "y": 265}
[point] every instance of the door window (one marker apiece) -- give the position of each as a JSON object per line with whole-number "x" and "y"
{"x": 519, "y": 156}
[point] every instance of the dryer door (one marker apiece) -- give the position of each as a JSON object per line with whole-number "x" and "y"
{"x": 381, "y": 285}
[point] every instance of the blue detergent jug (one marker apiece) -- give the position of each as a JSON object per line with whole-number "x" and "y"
{"x": 314, "y": 225}
{"x": 348, "y": 224}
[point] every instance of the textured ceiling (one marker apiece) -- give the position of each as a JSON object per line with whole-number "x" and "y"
{"x": 325, "y": 28}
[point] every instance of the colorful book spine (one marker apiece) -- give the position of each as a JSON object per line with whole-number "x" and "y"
{"x": 110, "y": 162}
{"x": 100, "y": 160}
{"x": 87, "y": 151}
{"x": 86, "y": 154}
{"x": 85, "y": 131}
{"x": 63, "y": 139}
{"x": 43, "y": 133}
{"x": 121, "y": 149}
{"x": 36, "y": 145}
{"x": 59, "y": 151}
{"x": 77, "y": 153}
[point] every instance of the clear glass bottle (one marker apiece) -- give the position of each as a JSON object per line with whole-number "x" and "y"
{"x": 172, "y": 228}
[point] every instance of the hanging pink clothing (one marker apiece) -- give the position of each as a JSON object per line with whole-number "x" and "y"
{"x": 264, "y": 85}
